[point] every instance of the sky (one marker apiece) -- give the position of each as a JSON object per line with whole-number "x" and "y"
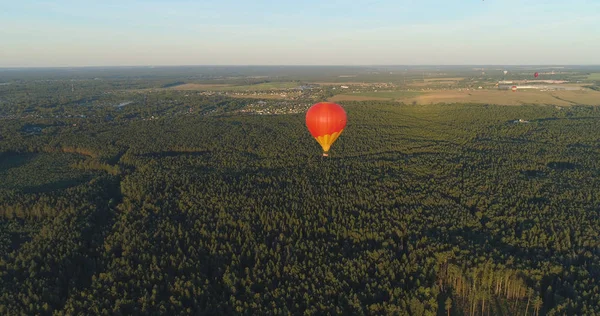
{"x": 71, "y": 33}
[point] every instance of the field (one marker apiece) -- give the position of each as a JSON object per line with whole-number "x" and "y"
{"x": 260, "y": 96}
{"x": 199, "y": 86}
{"x": 383, "y": 95}
{"x": 585, "y": 97}
{"x": 444, "y": 79}
{"x": 390, "y": 94}
{"x": 355, "y": 97}
{"x": 505, "y": 97}
{"x": 594, "y": 76}
{"x": 500, "y": 97}
{"x": 229, "y": 87}
{"x": 348, "y": 83}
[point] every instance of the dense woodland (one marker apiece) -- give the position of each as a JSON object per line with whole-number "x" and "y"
{"x": 419, "y": 210}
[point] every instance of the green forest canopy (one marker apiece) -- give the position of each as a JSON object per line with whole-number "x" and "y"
{"x": 419, "y": 209}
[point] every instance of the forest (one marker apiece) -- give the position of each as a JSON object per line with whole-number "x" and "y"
{"x": 440, "y": 209}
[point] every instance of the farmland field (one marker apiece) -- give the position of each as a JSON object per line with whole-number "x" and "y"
{"x": 444, "y": 79}
{"x": 500, "y": 97}
{"x": 505, "y": 97}
{"x": 428, "y": 82}
{"x": 355, "y": 97}
{"x": 594, "y": 76}
{"x": 390, "y": 94}
{"x": 586, "y": 97}
{"x": 259, "y": 96}
{"x": 339, "y": 83}
{"x": 383, "y": 95}
{"x": 199, "y": 86}
{"x": 228, "y": 87}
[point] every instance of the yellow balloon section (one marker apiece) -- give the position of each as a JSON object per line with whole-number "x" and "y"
{"x": 326, "y": 140}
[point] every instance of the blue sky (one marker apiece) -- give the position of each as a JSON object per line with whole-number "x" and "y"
{"x": 328, "y": 32}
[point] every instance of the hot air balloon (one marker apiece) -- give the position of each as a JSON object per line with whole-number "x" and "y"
{"x": 325, "y": 122}
{"x": 514, "y": 88}
{"x": 505, "y": 72}
{"x": 536, "y": 74}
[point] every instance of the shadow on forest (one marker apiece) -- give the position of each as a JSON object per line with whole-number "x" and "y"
{"x": 57, "y": 185}
{"x": 482, "y": 238}
{"x": 578, "y": 145}
{"x": 391, "y": 156}
{"x": 14, "y": 160}
{"x": 381, "y": 156}
{"x": 561, "y": 165}
{"x": 513, "y": 140}
{"x": 87, "y": 262}
{"x": 531, "y": 173}
{"x": 164, "y": 154}
{"x": 14, "y": 233}
{"x": 563, "y": 118}
{"x": 17, "y": 239}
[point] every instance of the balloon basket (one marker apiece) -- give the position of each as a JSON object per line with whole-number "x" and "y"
{"x": 325, "y": 155}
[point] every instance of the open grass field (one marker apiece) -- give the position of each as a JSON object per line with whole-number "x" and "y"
{"x": 227, "y": 87}
{"x": 342, "y": 83}
{"x": 199, "y": 86}
{"x": 444, "y": 79}
{"x": 587, "y": 97}
{"x": 594, "y": 76}
{"x": 260, "y": 96}
{"x": 435, "y": 81}
{"x": 500, "y": 97}
{"x": 380, "y": 95}
{"x": 429, "y": 84}
{"x": 355, "y": 97}
{"x": 506, "y": 97}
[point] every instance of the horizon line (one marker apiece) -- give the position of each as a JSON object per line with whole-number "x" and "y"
{"x": 282, "y": 65}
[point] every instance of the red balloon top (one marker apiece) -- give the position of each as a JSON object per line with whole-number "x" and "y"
{"x": 325, "y": 118}
{"x": 536, "y": 74}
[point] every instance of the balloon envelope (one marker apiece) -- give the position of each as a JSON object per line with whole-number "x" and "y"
{"x": 325, "y": 122}
{"x": 536, "y": 74}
